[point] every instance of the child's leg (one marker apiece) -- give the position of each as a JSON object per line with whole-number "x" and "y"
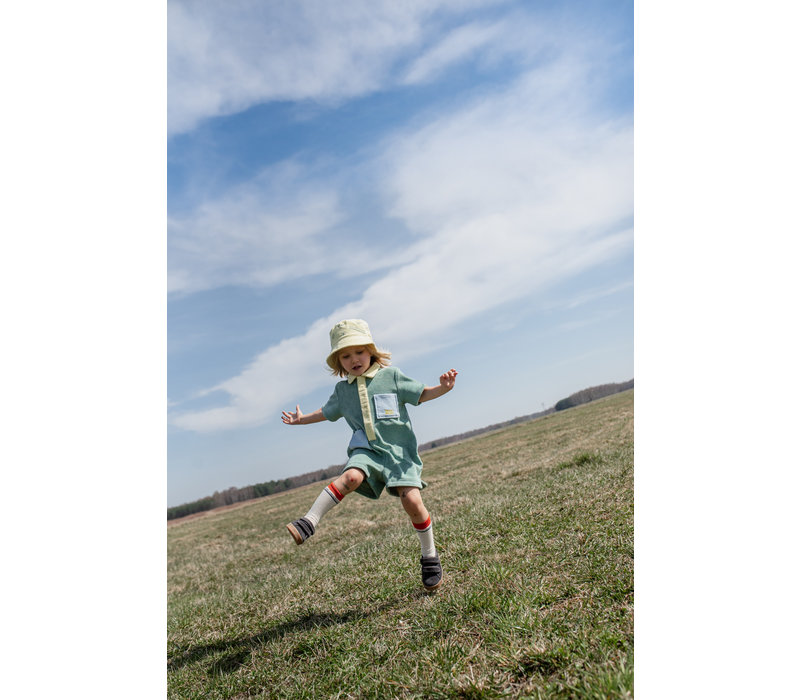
{"x": 331, "y": 496}
{"x": 411, "y": 498}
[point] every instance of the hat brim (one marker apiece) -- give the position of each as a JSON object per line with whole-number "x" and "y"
{"x": 348, "y": 341}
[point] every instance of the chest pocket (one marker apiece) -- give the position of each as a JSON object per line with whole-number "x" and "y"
{"x": 386, "y": 406}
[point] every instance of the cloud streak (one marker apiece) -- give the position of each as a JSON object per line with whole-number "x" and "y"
{"x": 251, "y": 234}
{"x": 462, "y": 44}
{"x": 226, "y": 57}
{"x": 287, "y": 223}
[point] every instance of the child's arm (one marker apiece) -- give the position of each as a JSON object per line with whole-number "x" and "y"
{"x": 446, "y": 382}
{"x": 300, "y": 418}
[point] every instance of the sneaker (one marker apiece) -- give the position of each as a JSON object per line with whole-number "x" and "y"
{"x": 431, "y": 572}
{"x": 301, "y": 530}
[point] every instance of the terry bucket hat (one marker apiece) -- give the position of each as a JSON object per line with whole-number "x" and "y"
{"x": 347, "y": 333}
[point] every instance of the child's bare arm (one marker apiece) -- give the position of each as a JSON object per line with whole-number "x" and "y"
{"x": 446, "y": 383}
{"x": 299, "y": 418}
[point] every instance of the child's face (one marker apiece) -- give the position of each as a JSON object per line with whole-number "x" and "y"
{"x": 355, "y": 360}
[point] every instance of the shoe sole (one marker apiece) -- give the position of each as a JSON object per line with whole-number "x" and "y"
{"x": 293, "y": 531}
{"x": 433, "y": 588}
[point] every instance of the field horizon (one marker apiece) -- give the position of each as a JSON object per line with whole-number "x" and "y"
{"x": 534, "y": 525}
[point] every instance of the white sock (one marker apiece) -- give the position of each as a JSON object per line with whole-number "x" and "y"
{"x": 425, "y": 532}
{"x": 329, "y": 498}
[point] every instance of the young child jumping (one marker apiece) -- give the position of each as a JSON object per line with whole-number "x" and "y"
{"x": 383, "y": 450}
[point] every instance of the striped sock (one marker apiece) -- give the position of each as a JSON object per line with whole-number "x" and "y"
{"x": 329, "y": 498}
{"x": 425, "y": 532}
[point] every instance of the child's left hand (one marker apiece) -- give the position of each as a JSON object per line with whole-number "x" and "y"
{"x": 448, "y": 379}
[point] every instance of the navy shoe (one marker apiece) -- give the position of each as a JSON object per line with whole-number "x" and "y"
{"x": 431, "y": 572}
{"x": 301, "y": 530}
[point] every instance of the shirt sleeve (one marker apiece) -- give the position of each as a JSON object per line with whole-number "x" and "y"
{"x": 408, "y": 390}
{"x": 331, "y": 410}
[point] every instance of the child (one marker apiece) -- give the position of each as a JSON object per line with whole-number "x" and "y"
{"x": 383, "y": 449}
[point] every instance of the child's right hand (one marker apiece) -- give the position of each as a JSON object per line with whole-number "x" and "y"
{"x": 448, "y": 379}
{"x": 292, "y": 418}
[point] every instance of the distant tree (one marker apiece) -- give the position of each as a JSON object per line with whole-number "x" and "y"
{"x": 592, "y": 394}
{"x": 190, "y": 508}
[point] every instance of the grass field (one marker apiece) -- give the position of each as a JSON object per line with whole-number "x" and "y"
{"x": 534, "y": 525}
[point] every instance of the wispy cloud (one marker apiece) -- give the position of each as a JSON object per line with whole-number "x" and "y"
{"x": 286, "y": 223}
{"x": 226, "y": 57}
{"x": 591, "y": 295}
{"x": 251, "y": 235}
{"x": 512, "y": 192}
{"x": 463, "y": 43}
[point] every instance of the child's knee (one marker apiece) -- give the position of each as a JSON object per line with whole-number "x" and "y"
{"x": 411, "y": 498}
{"x": 352, "y": 479}
{"x": 409, "y": 494}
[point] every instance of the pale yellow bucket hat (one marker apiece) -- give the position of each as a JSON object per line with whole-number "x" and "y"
{"x": 346, "y": 334}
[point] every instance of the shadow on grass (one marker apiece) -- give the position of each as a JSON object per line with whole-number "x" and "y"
{"x": 236, "y": 652}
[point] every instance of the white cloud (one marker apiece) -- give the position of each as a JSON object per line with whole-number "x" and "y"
{"x": 288, "y": 222}
{"x": 462, "y": 43}
{"x": 591, "y": 295}
{"x": 512, "y": 193}
{"x": 511, "y": 151}
{"x": 227, "y": 56}
{"x": 252, "y": 234}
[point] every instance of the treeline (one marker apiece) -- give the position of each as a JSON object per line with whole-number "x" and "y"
{"x": 592, "y": 394}
{"x": 248, "y": 493}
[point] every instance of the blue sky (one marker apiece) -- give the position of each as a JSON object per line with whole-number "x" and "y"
{"x": 459, "y": 174}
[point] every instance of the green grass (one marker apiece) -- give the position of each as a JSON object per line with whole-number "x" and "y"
{"x": 534, "y": 525}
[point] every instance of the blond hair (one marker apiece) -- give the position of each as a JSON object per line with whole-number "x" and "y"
{"x": 382, "y": 357}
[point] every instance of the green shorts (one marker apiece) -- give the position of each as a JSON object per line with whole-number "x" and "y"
{"x": 378, "y": 476}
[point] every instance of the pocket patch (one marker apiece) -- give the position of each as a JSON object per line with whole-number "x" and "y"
{"x": 386, "y": 406}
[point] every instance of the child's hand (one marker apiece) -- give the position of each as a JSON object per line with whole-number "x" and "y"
{"x": 292, "y": 418}
{"x": 448, "y": 380}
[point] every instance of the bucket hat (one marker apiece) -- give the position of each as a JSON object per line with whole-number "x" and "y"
{"x": 346, "y": 334}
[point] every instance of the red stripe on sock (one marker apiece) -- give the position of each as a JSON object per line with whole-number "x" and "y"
{"x": 423, "y": 526}
{"x": 335, "y": 491}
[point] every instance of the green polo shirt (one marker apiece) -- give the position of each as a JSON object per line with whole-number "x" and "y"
{"x": 391, "y": 458}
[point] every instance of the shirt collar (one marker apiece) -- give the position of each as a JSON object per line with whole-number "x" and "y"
{"x": 370, "y": 373}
